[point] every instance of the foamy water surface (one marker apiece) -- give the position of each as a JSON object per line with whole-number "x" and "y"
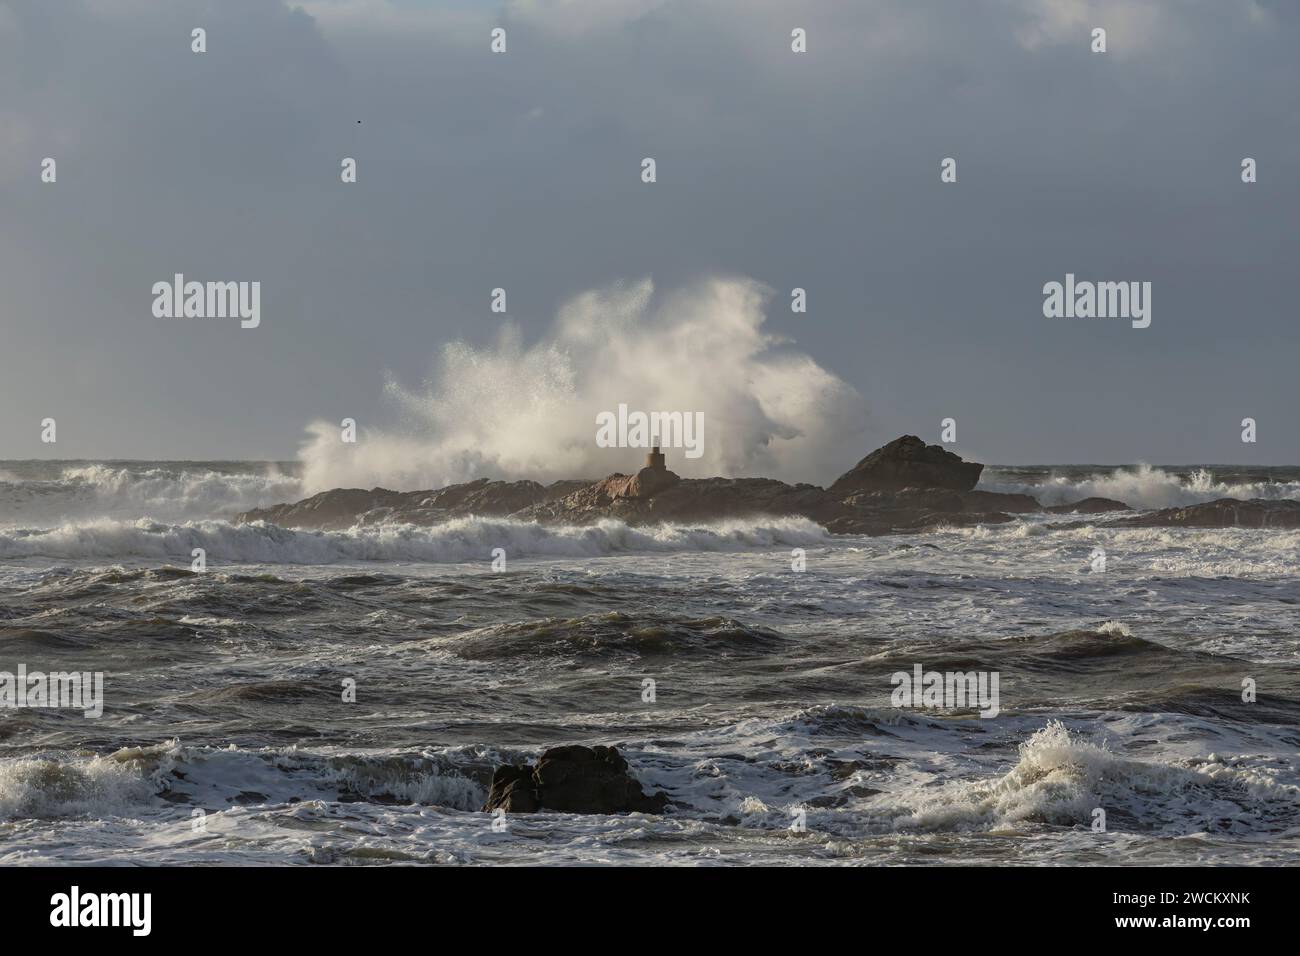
{"x": 1120, "y": 691}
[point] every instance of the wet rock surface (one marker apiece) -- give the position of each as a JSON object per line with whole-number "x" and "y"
{"x": 572, "y": 779}
{"x": 1223, "y": 513}
{"x": 908, "y": 462}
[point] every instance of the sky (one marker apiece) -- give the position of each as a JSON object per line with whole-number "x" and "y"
{"x": 774, "y": 170}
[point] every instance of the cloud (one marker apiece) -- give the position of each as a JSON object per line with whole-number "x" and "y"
{"x": 817, "y": 170}
{"x": 1133, "y": 27}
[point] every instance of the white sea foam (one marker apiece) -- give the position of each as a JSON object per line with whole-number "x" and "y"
{"x": 133, "y": 779}
{"x": 1142, "y": 487}
{"x": 1060, "y": 778}
{"x": 46, "y": 787}
{"x": 461, "y": 539}
{"x": 284, "y": 803}
{"x": 164, "y": 492}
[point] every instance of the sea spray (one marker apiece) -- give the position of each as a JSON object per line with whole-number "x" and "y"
{"x": 526, "y": 411}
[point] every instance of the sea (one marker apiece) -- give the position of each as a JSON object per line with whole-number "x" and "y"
{"x": 341, "y": 698}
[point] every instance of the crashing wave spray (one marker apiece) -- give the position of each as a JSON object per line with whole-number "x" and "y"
{"x": 516, "y": 411}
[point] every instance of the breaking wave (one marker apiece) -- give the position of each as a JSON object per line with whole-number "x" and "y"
{"x": 164, "y": 492}
{"x": 529, "y": 411}
{"x": 461, "y": 539}
{"x": 1142, "y": 487}
{"x": 1061, "y": 778}
{"x": 134, "y": 778}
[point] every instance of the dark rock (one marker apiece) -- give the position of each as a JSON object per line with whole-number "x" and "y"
{"x": 572, "y": 779}
{"x": 708, "y": 498}
{"x": 1089, "y": 506}
{"x": 928, "y": 499}
{"x": 944, "y": 500}
{"x": 591, "y": 780}
{"x": 513, "y": 790}
{"x": 698, "y": 499}
{"x": 483, "y": 497}
{"x": 910, "y": 522}
{"x": 344, "y": 507}
{"x": 998, "y": 501}
{"x": 927, "y": 521}
{"x": 566, "y": 486}
{"x": 904, "y": 487}
{"x": 1224, "y": 513}
{"x": 908, "y": 462}
{"x": 334, "y": 509}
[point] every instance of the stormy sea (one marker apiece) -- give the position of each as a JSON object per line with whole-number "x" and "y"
{"x": 343, "y": 697}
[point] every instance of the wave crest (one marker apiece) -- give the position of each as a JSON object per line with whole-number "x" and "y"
{"x": 458, "y": 540}
{"x": 166, "y": 493}
{"x": 1143, "y": 488}
{"x": 1061, "y": 778}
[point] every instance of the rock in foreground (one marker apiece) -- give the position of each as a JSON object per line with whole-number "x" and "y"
{"x": 572, "y": 779}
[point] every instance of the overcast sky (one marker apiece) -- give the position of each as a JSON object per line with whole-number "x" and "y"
{"x": 522, "y": 171}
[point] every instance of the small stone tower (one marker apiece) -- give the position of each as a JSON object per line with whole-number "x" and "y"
{"x": 655, "y": 459}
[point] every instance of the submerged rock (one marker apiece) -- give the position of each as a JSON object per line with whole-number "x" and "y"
{"x": 572, "y": 779}
{"x": 908, "y": 462}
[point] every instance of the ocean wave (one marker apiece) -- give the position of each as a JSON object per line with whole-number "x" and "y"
{"x": 458, "y": 540}
{"x": 166, "y": 493}
{"x": 45, "y": 788}
{"x": 615, "y": 632}
{"x": 786, "y": 416}
{"x": 1142, "y": 487}
{"x": 1061, "y": 778}
{"x": 133, "y": 779}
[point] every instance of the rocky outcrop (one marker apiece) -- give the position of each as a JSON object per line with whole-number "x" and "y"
{"x": 908, "y": 462}
{"x": 1088, "y": 506}
{"x": 908, "y": 499}
{"x": 903, "y": 487}
{"x": 345, "y": 507}
{"x": 699, "y": 499}
{"x": 572, "y": 779}
{"x": 646, "y": 483}
{"x": 1223, "y": 513}
{"x": 856, "y": 504}
{"x": 329, "y": 510}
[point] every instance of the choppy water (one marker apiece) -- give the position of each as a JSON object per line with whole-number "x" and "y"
{"x": 1119, "y": 690}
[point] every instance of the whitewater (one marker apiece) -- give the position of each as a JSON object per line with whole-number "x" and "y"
{"x": 225, "y": 737}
